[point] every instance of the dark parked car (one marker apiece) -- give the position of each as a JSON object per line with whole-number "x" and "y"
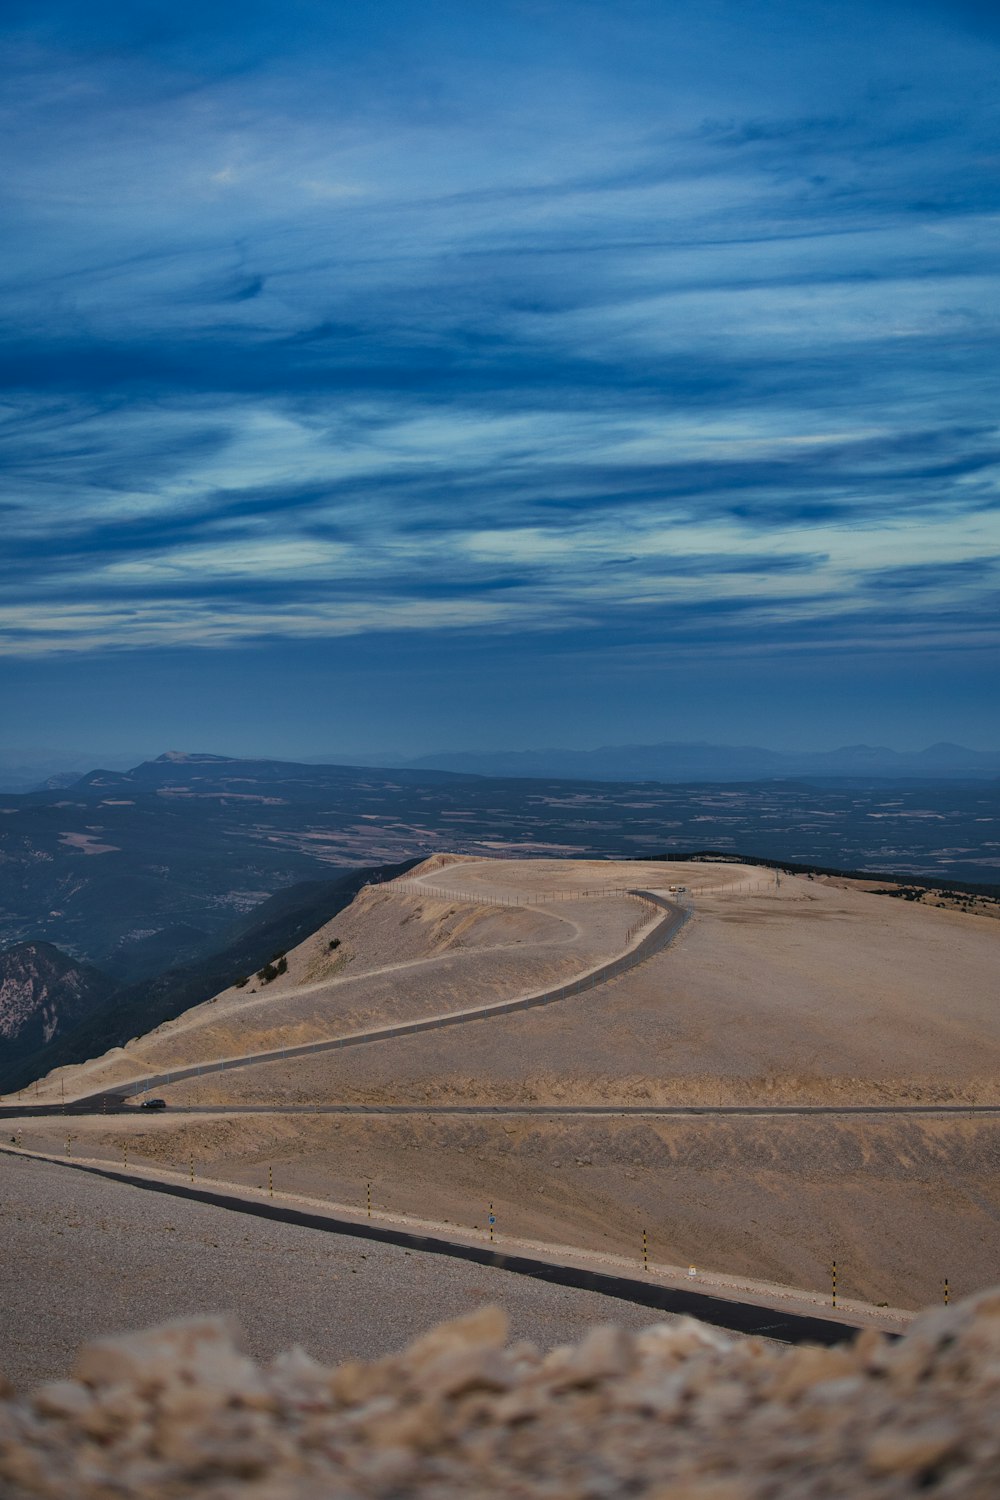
{"x": 153, "y": 1104}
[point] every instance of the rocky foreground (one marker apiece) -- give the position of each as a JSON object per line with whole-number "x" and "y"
{"x": 677, "y": 1412}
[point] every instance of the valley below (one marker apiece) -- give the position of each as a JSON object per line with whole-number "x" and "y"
{"x": 146, "y": 869}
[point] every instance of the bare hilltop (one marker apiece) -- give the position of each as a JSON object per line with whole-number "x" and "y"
{"x": 804, "y": 1073}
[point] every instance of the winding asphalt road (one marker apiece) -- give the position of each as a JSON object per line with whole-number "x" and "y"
{"x": 654, "y": 941}
{"x": 739, "y": 1316}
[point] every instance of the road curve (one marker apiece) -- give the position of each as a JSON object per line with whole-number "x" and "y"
{"x": 738, "y": 1316}
{"x": 656, "y": 939}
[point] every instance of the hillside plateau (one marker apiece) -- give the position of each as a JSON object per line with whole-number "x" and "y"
{"x": 805, "y": 1073}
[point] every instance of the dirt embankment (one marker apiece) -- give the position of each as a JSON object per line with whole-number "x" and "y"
{"x": 900, "y": 1204}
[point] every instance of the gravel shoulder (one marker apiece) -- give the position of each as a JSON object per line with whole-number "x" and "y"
{"x": 81, "y": 1258}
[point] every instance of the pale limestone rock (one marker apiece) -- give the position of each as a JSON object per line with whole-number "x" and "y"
{"x": 678, "y": 1340}
{"x": 148, "y": 1360}
{"x": 352, "y": 1382}
{"x": 709, "y": 1487}
{"x": 604, "y": 1354}
{"x": 466, "y": 1369}
{"x": 676, "y": 1413}
{"x": 486, "y": 1327}
{"x": 62, "y": 1398}
{"x": 913, "y": 1451}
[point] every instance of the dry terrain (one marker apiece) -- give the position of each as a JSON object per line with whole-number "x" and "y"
{"x": 778, "y": 992}
{"x": 117, "y": 1258}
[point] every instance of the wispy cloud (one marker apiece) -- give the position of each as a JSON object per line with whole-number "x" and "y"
{"x": 540, "y": 338}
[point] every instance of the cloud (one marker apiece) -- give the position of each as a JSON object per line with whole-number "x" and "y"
{"x": 532, "y": 341}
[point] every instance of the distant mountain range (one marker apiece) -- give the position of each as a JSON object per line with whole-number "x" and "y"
{"x": 31, "y": 770}
{"x": 27, "y": 768}
{"x": 700, "y": 761}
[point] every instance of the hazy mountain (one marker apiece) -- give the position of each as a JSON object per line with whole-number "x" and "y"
{"x": 29, "y": 768}
{"x": 700, "y": 761}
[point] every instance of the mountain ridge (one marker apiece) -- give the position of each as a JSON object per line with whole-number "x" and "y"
{"x": 701, "y": 760}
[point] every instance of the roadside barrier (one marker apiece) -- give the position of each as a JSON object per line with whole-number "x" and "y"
{"x": 716, "y": 1300}
{"x": 44, "y": 1151}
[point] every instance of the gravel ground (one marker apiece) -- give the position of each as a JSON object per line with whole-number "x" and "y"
{"x": 80, "y": 1258}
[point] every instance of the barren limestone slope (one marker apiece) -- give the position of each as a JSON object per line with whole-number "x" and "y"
{"x": 81, "y": 1256}
{"x": 399, "y": 952}
{"x": 900, "y": 1203}
{"x": 788, "y": 995}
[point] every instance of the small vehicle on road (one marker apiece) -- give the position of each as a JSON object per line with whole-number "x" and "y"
{"x": 153, "y": 1104}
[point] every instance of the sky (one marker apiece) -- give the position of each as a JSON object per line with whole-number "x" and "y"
{"x": 409, "y": 376}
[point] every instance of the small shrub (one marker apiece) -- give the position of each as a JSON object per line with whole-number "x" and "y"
{"x": 273, "y": 969}
{"x": 334, "y": 943}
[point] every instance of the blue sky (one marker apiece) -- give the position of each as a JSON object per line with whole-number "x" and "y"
{"x": 546, "y": 372}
